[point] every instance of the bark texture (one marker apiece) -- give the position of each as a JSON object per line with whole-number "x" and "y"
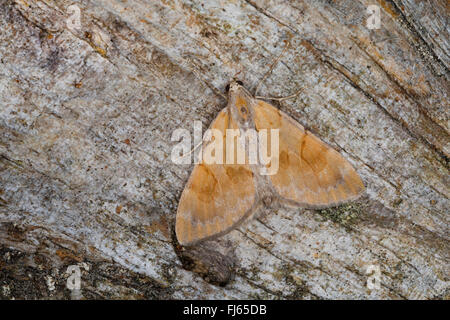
{"x": 87, "y": 114}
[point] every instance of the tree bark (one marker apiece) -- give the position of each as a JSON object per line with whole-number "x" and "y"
{"x": 87, "y": 113}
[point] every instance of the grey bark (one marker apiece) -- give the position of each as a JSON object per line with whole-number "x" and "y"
{"x": 86, "y": 118}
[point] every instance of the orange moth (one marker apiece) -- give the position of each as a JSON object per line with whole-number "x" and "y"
{"x": 219, "y": 196}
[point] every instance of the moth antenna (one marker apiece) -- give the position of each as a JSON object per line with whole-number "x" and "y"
{"x": 280, "y": 98}
{"x": 197, "y": 75}
{"x": 192, "y": 150}
{"x": 271, "y": 68}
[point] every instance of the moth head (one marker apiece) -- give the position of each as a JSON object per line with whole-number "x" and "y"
{"x": 234, "y": 85}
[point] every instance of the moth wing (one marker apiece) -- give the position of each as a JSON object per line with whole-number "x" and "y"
{"x": 217, "y": 197}
{"x": 310, "y": 173}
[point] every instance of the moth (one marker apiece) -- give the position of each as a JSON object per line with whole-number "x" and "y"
{"x": 219, "y": 197}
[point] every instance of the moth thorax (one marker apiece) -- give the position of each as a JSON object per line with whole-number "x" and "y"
{"x": 241, "y": 121}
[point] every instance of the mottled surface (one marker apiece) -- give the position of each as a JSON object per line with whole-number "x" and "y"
{"x": 86, "y": 118}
